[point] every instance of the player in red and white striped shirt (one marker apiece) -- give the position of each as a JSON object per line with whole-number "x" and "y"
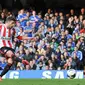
{"x": 6, "y": 46}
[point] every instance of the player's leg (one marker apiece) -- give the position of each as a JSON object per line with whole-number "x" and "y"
{"x": 9, "y": 62}
{"x": 7, "y": 68}
{"x": 10, "y": 53}
{"x": 25, "y": 62}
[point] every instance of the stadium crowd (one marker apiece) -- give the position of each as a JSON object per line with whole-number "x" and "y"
{"x": 59, "y": 39}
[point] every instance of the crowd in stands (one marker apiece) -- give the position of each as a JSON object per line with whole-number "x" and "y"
{"x": 59, "y": 39}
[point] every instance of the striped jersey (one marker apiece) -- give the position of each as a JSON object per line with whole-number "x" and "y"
{"x": 5, "y": 36}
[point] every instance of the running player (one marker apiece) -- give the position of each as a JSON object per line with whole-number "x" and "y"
{"x": 6, "y": 46}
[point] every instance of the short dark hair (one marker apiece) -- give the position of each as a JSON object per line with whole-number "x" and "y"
{"x": 10, "y": 19}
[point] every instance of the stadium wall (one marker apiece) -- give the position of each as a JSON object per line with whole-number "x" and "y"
{"x": 41, "y": 74}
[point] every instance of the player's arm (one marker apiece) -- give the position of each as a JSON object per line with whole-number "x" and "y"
{"x": 25, "y": 38}
{"x": 22, "y": 37}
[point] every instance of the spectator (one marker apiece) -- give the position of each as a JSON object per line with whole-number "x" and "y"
{"x": 2, "y": 17}
{"x": 82, "y": 12}
{"x": 72, "y": 13}
{"x": 28, "y": 29}
{"x": 2, "y": 63}
{"x": 34, "y": 18}
{"x": 78, "y": 53}
{"x": 22, "y": 17}
{"x": 42, "y": 29}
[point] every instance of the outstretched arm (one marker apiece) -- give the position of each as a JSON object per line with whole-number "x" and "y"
{"x": 22, "y": 37}
{"x": 25, "y": 38}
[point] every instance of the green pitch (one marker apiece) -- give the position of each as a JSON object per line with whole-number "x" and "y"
{"x": 43, "y": 82}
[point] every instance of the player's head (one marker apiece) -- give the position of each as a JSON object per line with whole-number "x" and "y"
{"x": 10, "y": 22}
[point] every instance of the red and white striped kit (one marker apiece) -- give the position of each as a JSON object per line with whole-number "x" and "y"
{"x": 5, "y": 36}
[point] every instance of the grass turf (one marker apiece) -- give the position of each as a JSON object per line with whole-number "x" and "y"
{"x": 43, "y": 82}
